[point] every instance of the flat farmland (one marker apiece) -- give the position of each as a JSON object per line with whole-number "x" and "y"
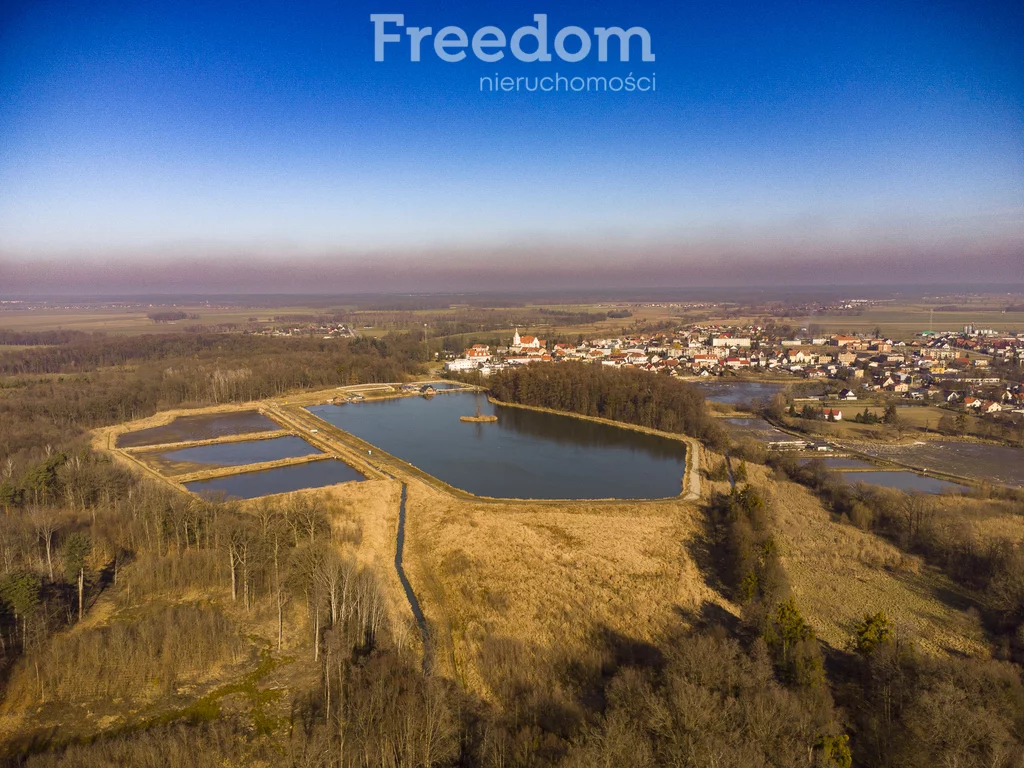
{"x": 904, "y": 321}
{"x": 897, "y": 319}
{"x": 911, "y": 320}
{"x": 133, "y": 320}
{"x": 922, "y": 417}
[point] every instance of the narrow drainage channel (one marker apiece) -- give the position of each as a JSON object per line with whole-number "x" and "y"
{"x": 414, "y": 604}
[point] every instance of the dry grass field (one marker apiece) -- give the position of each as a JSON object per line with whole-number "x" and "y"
{"x": 986, "y": 520}
{"x": 840, "y": 573}
{"x": 919, "y": 421}
{"x": 550, "y": 576}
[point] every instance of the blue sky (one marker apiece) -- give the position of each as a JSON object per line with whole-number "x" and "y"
{"x": 792, "y": 131}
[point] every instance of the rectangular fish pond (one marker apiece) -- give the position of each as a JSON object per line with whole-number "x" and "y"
{"x": 204, "y": 426}
{"x": 296, "y": 477}
{"x": 234, "y": 454}
{"x": 903, "y": 480}
{"x": 840, "y": 463}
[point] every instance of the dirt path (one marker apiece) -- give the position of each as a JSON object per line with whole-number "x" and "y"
{"x": 410, "y": 595}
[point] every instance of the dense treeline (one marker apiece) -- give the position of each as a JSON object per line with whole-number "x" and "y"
{"x": 631, "y": 396}
{"x": 710, "y": 703}
{"x": 171, "y": 316}
{"x": 914, "y": 710}
{"x": 748, "y": 554}
{"x": 68, "y": 544}
{"x": 32, "y": 338}
{"x": 741, "y": 535}
{"x": 52, "y": 394}
{"x": 97, "y": 352}
{"x": 704, "y": 701}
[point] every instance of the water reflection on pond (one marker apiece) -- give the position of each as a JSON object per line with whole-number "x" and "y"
{"x": 240, "y": 453}
{"x": 525, "y": 454}
{"x": 757, "y": 428}
{"x": 738, "y": 392}
{"x": 992, "y": 463}
{"x": 844, "y": 463}
{"x": 903, "y": 481}
{"x": 249, "y": 485}
{"x": 204, "y": 426}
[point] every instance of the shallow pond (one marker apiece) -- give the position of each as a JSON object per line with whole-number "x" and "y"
{"x": 843, "y": 463}
{"x": 525, "y": 454}
{"x": 738, "y": 392}
{"x": 902, "y": 480}
{"x": 249, "y": 485}
{"x": 199, "y": 427}
{"x": 991, "y": 463}
{"x": 241, "y": 453}
{"x": 757, "y": 428}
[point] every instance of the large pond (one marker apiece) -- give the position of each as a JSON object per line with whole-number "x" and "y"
{"x": 199, "y": 427}
{"x": 241, "y": 453}
{"x": 524, "y": 455}
{"x": 738, "y": 392}
{"x": 902, "y": 480}
{"x": 249, "y": 485}
{"x": 991, "y": 463}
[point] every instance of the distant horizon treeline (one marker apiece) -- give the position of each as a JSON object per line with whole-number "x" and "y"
{"x": 32, "y": 338}
{"x": 171, "y": 316}
{"x": 627, "y": 395}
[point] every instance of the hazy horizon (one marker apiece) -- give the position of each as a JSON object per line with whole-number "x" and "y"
{"x": 189, "y": 147}
{"x": 522, "y": 268}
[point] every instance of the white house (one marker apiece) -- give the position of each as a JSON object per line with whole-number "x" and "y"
{"x": 728, "y": 341}
{"x": 461, "y": 364}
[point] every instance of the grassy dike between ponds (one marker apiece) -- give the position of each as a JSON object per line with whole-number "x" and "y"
{"x": 242, "y": 437}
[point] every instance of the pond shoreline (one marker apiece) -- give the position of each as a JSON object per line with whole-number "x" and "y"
{"x": 691, "y": 478}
